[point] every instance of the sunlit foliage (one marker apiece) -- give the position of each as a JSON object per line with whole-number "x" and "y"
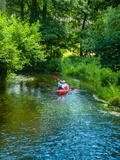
{"x": 19, "y": 44}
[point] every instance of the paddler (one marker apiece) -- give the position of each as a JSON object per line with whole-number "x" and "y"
{"x": 62, "y": 85}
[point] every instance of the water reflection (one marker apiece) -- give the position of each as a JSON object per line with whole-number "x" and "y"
{"x": 36, "y": 123}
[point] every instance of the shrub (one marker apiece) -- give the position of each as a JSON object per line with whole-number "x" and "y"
{"x": 101, "y": 81}
{"x": 54, "y": 64}
{"x": 108, "y": 77}
{"x": 115, "y": 101}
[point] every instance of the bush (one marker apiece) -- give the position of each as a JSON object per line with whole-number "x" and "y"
{"x": 101, "y": 81}
{"x": 83, "y": 67}
{"x": 54, "y": 65}
{"x": 115, "y": 101}
{"x": 108, "y": 77}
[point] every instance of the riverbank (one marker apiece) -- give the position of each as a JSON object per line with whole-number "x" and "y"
{"x": 100, "y": 81}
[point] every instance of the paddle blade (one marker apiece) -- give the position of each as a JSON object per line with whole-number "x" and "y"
{"x": 72, "y": 88}
{"x": 55, "y": 77}
{"x": 50, "y": 89}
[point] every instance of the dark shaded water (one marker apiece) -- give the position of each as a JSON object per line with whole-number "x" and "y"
{"x": 36, "y": 123}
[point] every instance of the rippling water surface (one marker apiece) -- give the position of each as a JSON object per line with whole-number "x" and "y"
{"x": 36, "y": 123}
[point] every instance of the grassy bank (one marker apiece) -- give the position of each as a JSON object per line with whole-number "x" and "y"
{"x": 101, "y": 81}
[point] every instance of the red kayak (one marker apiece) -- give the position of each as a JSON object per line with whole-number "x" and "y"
{"x": 62, "y": 91}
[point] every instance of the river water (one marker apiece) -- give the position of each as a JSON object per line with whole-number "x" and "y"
{"x": 37, "y": 124}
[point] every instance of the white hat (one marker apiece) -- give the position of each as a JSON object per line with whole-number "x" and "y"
{"x": 63, "y": 81}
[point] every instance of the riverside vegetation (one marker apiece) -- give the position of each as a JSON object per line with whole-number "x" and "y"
{"x": 102, "y": 82}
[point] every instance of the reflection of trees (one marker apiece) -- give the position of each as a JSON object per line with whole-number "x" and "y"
{"x": 5, "y": 106}
{"x": 33, "y": 84}
{"x": 16, "y": 111}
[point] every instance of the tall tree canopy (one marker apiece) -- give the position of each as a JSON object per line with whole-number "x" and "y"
{"x": 75, "y": 25}
{"x": 107, "y": 38}
{"x": 59, "y": 17}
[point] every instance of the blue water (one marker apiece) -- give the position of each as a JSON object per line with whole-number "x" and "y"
{"x": 37, "y": 124}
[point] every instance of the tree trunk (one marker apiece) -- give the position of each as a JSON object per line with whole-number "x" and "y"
{"x": 34, "y": 16}
{"x": 82, "y": 28}
{"x": 3, "y": 75}
{"x": 22, "y": 10}
{"x": 44, "y": 10}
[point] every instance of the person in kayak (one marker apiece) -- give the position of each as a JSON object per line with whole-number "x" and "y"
{"x": 62, "y": 85}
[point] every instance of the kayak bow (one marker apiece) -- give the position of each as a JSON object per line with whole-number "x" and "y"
{"x": 62, "y": 91}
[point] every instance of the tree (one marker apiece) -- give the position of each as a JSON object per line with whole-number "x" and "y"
{"x": 65, "y": 24}
{"x": 2, "y": 5}
{"x": 54, "y": 27}
{"x": 19, "y": 45}
{"x": 107, "y": 39}
{"x": 34, "y": 11}
{"x": 51, "y": 14}
{"x": 18, "y": 7}
{"x": 84, "y": 15}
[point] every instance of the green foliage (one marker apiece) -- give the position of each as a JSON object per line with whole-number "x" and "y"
{"x": 81, "y": 66}
{"x": 2, "y": 5}
{"x": 66, "y": 23}
{"x": 54, "y": 65}
{"x": 101, "y": 81}
{"x": 107, "y": 39}
{"x": 54, "y": 36}
{"x": 115, "y": 101}
{"x": 19, "y": 44}
{"x": 108, "y": 77}
{"x": 20, "y": 8}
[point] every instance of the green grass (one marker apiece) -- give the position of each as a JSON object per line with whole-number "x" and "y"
{"x": 101, "y": 81}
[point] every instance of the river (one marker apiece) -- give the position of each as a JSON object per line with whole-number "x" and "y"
{"x": 37, "y": 124}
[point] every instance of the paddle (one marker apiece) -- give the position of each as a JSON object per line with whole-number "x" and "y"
{"x": 56, "y": 77}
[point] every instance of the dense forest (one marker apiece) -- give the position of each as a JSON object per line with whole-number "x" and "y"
{"x": 36, "y": 31}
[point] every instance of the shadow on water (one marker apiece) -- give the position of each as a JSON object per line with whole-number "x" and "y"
{"x": 36, "y": 123}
